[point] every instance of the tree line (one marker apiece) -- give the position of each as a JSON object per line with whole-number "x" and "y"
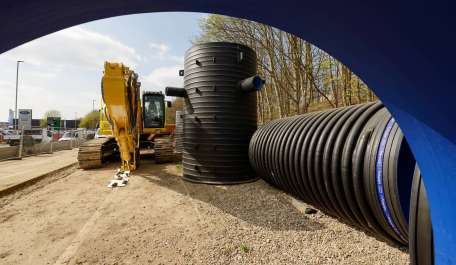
{"x": 299, "y": 76}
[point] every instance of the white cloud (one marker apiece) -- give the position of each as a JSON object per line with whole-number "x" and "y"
{"x": 27, "y": 98}
{"x": 160, "y": 48}
{"x": 160, "y": 51}
{"x": 74, "y": 47}
{"x": 162, "y": 77}
{"x": 61, "y": 71}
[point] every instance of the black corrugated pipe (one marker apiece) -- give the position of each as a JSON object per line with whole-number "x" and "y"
{"x": 351, "y": 162}
{"x": 421, "y": 239}
{"x": 175, "y": 92}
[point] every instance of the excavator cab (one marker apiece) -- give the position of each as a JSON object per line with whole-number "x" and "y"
{"x": 153, "y": 110}
{"x": 156, "y": 133}
{"x": 154, "y": 114}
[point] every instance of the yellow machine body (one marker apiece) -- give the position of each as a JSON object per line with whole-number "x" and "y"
{"x": 134, "y": 122}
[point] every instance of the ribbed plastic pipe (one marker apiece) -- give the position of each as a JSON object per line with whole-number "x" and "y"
{"x": 351, "y": 162}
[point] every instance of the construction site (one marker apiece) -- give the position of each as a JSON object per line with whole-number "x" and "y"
{"x": 212, "y": 188}
{"x": 254, "y": 147}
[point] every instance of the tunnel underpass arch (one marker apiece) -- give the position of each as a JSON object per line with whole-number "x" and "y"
{"x": 390, "y": 45}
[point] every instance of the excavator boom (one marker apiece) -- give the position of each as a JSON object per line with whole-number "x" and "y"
{"x": 121, "y": 94}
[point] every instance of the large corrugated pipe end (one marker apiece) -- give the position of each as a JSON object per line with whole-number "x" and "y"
{"x": 253, "y": 83}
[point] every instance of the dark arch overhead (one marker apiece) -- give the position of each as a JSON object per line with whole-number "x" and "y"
{"x": 404, "y": 50}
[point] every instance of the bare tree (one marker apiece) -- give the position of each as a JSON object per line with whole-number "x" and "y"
{"x": 299, "y": 76}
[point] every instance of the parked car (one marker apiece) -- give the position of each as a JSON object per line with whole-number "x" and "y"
{"x": 69, "y": 136}
{"x": 34, "y": 136}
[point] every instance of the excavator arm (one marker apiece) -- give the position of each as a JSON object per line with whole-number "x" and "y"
{"x": 121, "y": 93}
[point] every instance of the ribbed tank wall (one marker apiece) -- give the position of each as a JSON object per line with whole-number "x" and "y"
{"x": 179, "y": 133}
{"x": 219, "y": 118}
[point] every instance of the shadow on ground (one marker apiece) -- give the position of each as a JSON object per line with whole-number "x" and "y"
{"x": 256, "y": 203}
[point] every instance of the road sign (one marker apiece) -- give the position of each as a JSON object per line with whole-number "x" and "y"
{"x": 53, "y": 122}
{"x": 25, "y": 119}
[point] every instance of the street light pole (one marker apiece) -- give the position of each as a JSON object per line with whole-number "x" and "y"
{"x": 17, "y": 84}
{"x": 93, "y": 104}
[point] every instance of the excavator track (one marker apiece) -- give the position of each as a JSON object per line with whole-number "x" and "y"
{"x": 164, "y": 150}
{"x": 93, "y": 153}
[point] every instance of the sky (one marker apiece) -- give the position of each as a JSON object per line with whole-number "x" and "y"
{"x": 63, "y": 70}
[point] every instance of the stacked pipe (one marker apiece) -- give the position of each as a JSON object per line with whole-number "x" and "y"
{"x": 421, "y": 239}
{"x": 179, "y": 132}
{"x": 220, "y": 114}
{"x": 351, "y": 162}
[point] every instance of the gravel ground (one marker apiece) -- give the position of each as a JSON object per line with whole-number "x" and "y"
{"x": 160, "y": 219}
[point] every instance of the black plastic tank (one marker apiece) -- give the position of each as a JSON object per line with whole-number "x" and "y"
{"x": 220, "y": 117}
{"x": 179, "y": 132}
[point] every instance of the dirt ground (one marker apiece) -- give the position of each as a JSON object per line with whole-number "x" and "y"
{"x": 160, "y": 219}
{"x": 14, "y": 172}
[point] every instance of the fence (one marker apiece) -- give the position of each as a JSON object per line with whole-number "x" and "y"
{"x": 24, "y": 150}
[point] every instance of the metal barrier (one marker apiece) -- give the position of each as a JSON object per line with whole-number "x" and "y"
{"x": 25, "y": 149}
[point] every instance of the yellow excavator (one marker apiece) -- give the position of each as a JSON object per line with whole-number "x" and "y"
{"x": 130, "y": 121}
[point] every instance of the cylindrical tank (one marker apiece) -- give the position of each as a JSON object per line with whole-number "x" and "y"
{"x": 220, "y": 117}
{"x": 179, "y": 132}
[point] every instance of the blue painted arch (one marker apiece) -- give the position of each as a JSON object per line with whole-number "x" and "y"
{"x": 404, "y": 50}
